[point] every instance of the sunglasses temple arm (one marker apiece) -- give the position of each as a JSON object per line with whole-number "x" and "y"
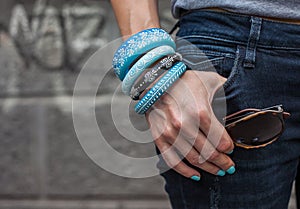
{"x": 286, "y": 115}
{"x": 239, "y": 113}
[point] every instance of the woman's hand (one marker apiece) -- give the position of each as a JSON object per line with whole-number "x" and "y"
{"x": 184, "y": 116}
{"x": 183, "y": 124}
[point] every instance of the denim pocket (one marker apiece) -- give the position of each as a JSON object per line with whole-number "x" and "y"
{"x": 210, "y": 55}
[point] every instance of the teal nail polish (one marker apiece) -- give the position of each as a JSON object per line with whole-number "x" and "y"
{"x": 195, "y": 178}
{"x": 221, "y": 173}
{"x": 231, "y": 170}
{"x": 229, "y": 153}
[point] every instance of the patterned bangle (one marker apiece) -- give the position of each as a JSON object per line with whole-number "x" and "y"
{"x": 142, "y": 64}
{"x": 137, "y": 45}
{"x": 150, "y": 76}
{"x": 160, "y": 88}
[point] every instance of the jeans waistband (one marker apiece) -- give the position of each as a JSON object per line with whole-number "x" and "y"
{"x": 241, "y": 29}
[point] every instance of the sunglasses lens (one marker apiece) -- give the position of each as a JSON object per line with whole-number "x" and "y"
{"x": 257, "y": 130}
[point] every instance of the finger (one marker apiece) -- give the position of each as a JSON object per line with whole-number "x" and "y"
{"x": 208, "y": 153}
{"x": 173, "y": 161}
{"x": 187, "y": 131}
{"x": 219, "y": 137}
{"x": 193, "y": 156}
{"x": 214, "y": 131}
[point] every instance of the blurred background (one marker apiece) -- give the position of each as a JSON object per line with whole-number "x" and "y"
{"x": 43, "y": 46}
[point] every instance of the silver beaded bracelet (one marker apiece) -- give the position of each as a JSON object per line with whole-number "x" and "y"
{"x": 150, "y": 76}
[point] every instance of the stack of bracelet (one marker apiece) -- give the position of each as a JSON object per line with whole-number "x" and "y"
{"x": 144, "y": 58}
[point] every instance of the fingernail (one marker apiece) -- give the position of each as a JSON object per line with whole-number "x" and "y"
{"x": 229, "y": 153}
{"x": 231, "y": 170}
{"x": 196, "y": 178}
{"x": 221, "y": 173}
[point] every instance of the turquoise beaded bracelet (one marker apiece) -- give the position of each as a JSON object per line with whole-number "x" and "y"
{"x": 160, "y": 88}
{"x": 137, "y": 45}
{"x": 142, "y": 64}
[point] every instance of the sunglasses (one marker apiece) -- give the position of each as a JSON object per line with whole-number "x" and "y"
{"x": 255, "y": 128}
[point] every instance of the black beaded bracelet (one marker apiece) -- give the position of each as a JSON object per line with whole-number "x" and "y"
{"x": 151, "y": 75}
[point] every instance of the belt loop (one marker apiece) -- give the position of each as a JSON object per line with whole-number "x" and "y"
{"x": 256, "y": 24}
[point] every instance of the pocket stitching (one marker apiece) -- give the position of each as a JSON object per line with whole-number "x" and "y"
{"x": 235, "y": 69}
{"x": 205, "y": 53}
{"x": 202, "y": 65}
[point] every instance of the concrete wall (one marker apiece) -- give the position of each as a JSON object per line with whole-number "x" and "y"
{"x": 43, "y": 46}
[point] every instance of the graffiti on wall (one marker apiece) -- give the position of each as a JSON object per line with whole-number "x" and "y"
{"x": 57, "y": 34}
{"x": 57, "y": 37}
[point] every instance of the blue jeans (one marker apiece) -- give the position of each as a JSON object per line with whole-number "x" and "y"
{"x": 298, "y": 187}
{"x": 261, "y": 60}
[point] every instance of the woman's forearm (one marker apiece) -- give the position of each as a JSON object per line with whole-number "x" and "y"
{"x": 135, "y": 15}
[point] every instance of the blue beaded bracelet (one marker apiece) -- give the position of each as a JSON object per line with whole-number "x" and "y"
{"x": 137, "y": 45}
{"x": 142, "y": 64}
{"x": 160, "y": 88}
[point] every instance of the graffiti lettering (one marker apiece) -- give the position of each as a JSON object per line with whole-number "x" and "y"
{"x": 55, "y": 37}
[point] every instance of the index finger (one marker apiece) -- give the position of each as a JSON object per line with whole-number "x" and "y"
{"x": 215, "y": 131}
